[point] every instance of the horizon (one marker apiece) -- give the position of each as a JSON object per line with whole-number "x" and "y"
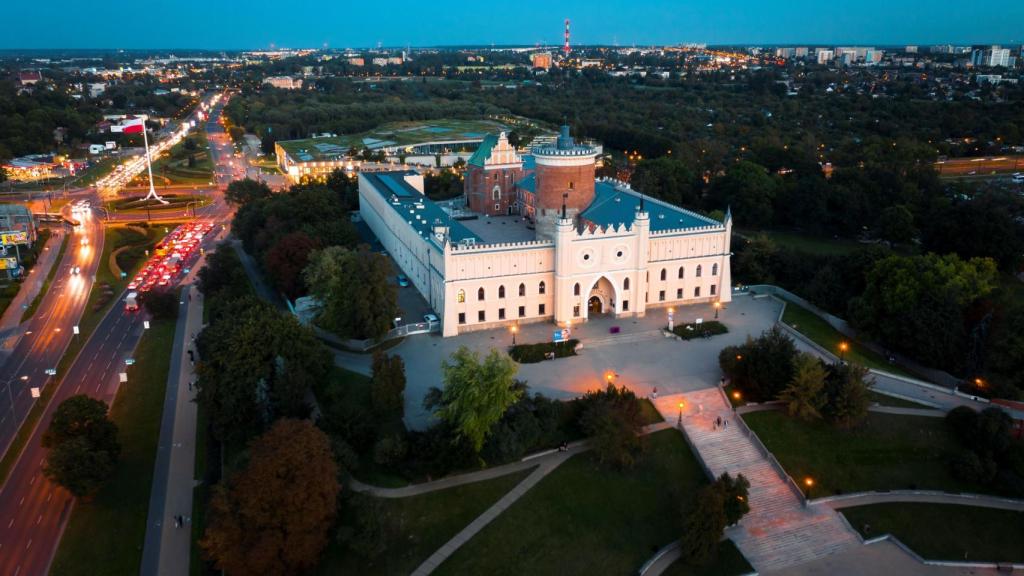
{"x": 609, "y": 23}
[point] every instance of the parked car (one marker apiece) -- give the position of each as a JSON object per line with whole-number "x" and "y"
{"x": 430, "y": 318}
{"x": 403, "y": 281}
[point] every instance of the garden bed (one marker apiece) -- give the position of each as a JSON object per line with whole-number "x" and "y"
{"x": 533, "y": 353}
{"x": 706, "y": 329}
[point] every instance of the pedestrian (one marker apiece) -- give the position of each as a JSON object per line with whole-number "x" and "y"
{"x": 189, "y": 296}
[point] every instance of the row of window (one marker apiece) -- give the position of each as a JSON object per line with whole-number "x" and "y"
{"x": 481, "y": 315}
{"x": 682, "y": 271}
{"x": 481, "y": 294}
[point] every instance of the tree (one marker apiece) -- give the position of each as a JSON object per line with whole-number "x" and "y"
{"x": 847, "y": 398}
{"x": 286, "y": 260}
{"x": 241, "y": 192}
{"x": 735, "y": 496}
{"x": 388, "y": 392}
{"x": 613, "y": 421}
{"x": 896, "y": 224}
{"x": 704, "y": 525}
{"x": 804, "y": 396}
{"x": 476, "y": 393}
{"x": 346, "y": 186}
{"x": 667, "y": 179}
{"x": 761, "y": 368}
{"x": 749, "y": 190}
{"x": 357, "y": 299}
{"x": 83, "y": 445}
{"x": 273, "y": 516}
{"x": 161, "y": 304}
{"x": 257, "y": 364}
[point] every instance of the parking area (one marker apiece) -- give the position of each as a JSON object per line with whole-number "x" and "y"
{"x": 411, "y": 304}
{"x": 638, "y": 356}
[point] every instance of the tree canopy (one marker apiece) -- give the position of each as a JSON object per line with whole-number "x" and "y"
{"x": 83, "y": 445}
{"x": 357, "y": 299}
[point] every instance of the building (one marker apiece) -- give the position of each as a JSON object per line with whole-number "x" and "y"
{"x": 824, "y": 56}
{"x": 284, "y": 82}
{"x": 541, "y": 60}
{"x": 29, "y": 77}
{"x": 597, "y": 247}
{"x": 17, "y": 232}
{"x": 491, "y": 176}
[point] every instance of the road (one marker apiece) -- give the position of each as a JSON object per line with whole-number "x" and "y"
{"x": 981, "y": 165}
{"x": 33, "y": 511}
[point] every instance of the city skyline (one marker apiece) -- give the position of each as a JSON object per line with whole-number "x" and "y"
{"x": 264, "y": 25}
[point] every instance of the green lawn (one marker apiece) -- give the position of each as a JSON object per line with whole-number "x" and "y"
{"x": 946, "y": 531}
{"x": 817, "y": 245}
{"x": 584, "y": 518}
{"x": 893, "y": 402}
{"x": 173, "y": 168}
{"x": 890, "y": 452}
{"x": 414, "y": 528}
{"x": 106, "y": 534}
{"x": 728, "y": 562}
{"x": 822, "y": 333}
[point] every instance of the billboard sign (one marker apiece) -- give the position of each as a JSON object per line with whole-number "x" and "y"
{"x": 561, "y": 335}
{"x": 8, "y": 263}
{"x": 13, "y": 237}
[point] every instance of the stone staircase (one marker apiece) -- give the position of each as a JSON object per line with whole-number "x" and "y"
{"x": 779, "y": 531}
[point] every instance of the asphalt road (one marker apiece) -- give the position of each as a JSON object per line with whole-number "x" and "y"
{"x": 33, "y": 511}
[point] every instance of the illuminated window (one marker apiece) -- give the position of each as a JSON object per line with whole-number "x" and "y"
{"x": 462, "y": 296}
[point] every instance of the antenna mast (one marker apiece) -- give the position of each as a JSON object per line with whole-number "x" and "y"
{"x": 566, "y": 47}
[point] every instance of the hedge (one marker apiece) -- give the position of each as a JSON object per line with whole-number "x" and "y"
{"x": 532, "y": 353}
{"x": 691, "y": 330}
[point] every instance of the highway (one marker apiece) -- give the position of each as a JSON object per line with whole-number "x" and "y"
{"x": 33, "y": 511}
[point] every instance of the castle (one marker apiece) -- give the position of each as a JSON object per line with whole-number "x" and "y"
{"x": 544, "y": 240}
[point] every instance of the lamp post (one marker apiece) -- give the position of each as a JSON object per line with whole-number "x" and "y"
{"x": 843, "y": 347}
{"x": 718, "y": 306}
{"x": 514, "y": 329}
{"x": 808, "y": 484}
{"x": 671, "y": 318}
{"x": 680, "y": 422}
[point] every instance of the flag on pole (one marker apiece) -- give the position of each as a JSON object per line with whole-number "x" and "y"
{"x": 133, "y": 126}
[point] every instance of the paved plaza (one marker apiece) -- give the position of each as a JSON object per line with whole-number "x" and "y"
{"x": 639, "y": 355}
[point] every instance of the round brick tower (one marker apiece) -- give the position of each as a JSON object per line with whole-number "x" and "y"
{"x": 564, "y": 174}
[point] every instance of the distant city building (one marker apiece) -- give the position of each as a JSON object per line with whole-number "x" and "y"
{"x": 284, "y": 82}
{"x": 357, "y": 61}
{"x": 800, "y": 52}
{"x": 29, "y": 77}
{"x": 541, "y": 60}
{"x": 824, "y": 56}
{"x": 910, "y": 49}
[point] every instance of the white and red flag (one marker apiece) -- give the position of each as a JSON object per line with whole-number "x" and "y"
{"x": 133, "y": 126}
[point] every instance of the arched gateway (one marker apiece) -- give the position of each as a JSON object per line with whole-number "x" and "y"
{"x": 601, "y": 298}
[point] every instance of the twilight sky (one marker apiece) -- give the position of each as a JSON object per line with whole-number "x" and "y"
{"x": 232, "y": 24}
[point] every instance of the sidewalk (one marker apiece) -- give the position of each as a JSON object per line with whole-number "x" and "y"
{"x": 11, "y": 318}
{"x": 167, "y": 547}
{"x": 779, "y": 532}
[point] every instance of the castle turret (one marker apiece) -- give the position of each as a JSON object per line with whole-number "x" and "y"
{"x": 564, "y": 173}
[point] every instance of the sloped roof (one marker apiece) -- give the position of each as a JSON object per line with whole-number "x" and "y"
{"x": 483, "y": 152}
{"x": 615, "y": 205}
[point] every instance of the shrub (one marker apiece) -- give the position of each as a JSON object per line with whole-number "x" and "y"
{"x": 389, "y": 451}
{"x": 533, "y": 353}
{"x": 613, "y": 420}
{"x": 969, "y": 467}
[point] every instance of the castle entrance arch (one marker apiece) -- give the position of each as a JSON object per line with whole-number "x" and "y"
{"x": 601, "y": 298}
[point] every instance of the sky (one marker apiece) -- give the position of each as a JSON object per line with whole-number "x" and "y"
{"x": 232, "y": 24}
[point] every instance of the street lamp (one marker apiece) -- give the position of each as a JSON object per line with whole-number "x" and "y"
{"x": 514, "y": 329}
{"x": 718, "y": 306}
{"x": 843, "y": 347}
{"x": 680, "y": 422}
{"x": 671, "y": 318}
{"x": 808, "y": 484}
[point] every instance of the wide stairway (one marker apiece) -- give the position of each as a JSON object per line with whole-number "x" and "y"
{"x": 779, "y": 531}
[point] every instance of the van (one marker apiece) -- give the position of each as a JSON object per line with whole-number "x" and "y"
{"x": 131, "y": 301}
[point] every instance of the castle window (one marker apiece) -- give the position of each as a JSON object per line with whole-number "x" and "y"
{"x": 541, "y": 289}
{"x": 481, "y": 316}
{"x": 522, "y": 311}
{"x": 625, "y": 284}
{"x": 540, "y": 309}
{"x": 462, "y": 317}
{"x": 501, "y": 291}
{"x": 679, "y": 293}
{"x": 661, "y": 296}
{"x": 496, "y": 194}
{"x": 713, "y": 289}
{"x": 501, "y": 313}
{"x": 664, "y": 274}
{"x": 682, "y": 271}
{"x": 572, "y": 185}
{"x": 714, "y": 269}
{"x": 698, "y": 270}
{"x": 522, "y": 289}
{"x": 462, "y": 296}
{"x": 576, "y": 311}
{"x": 625, "y": 305}
{"x": 576, "y": 289}
{"x": 696, "y": 292}
{"x": 480, "y": 294}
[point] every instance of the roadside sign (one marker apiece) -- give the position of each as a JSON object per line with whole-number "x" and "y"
{"x": 8, "y": 263}
{"x": 129, "y": 361}
{"x": 145, "y": 324}
{"x": 35, "y": 392}
{"x": 122, "y": 377}
{"x": 698, "y": 321}
{"x": 561, "y": 335}
{"x": 51, "y": 371}
{"x": 13, "y": 237}
{"x": 75, "y": 329}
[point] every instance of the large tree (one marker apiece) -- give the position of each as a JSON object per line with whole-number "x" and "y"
{"x": 804, "y": 396}
{"x": 285, "y": 261}
{"x": 357, "y": 298}
{"x": 83, "y": 445}
{"x": 667, "y": 179}
{"x": 749, "y": 190}
{"x": 388, "y": 392}
{"x": 274, "y": 516}
{"x": 476, "y": 393}
{"x": 762, "y": 367}
{"x": 244, "y": 191}
{"x": 704, "y": 525}
{"x": 846, "y": 391}
{"x": 613, "y": 420}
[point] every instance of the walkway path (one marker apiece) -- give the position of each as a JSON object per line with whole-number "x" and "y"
{"x": 166, "y": 547}
{"x": 11, "y": 318}
{"x": 924, "y": 496}
{"x": 779, "y": 532}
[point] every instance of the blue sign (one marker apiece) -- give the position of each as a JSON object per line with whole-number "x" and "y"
{"x": 561, "y": 335}
{"x": 129, "y": 361}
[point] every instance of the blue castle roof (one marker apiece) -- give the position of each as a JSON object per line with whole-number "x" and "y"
{"x": 616, "y": 205}
{"x": 417, "y": 210}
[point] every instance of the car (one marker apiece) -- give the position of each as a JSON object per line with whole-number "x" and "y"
{"x": 402, "y": 280}
{"x": 76, "y": 270}
{"x": 430, "y": 318}
{"x": 85, "y": 242}
{"x": 133, "y": 285}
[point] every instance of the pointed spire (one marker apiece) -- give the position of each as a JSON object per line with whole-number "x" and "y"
{"x": 728, "y": 213}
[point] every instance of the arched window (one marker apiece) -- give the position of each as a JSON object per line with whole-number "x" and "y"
{"x": 462, "y": 296}
{"x": 541, "y": 287}
{"x": 480, "y": 293}
{"x": 625, "y": 284}
{"x": 522, "y": 289}
{"x": 576, "y": 289}
{"x": 497, "y": 192}
{"x": 664, "y": 274}
{"x": 698, "y": 270}
{"x": 501, "y": 291}
{"x": 714, "y": 269}
{"x": 682, "y": 271}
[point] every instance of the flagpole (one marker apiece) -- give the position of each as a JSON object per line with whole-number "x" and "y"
{"x": 149, "y": 162}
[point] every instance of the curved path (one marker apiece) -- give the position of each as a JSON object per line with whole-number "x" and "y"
{"x": 922, "y": 496}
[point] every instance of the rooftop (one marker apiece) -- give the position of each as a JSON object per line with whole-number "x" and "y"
{"x": 500, "y": 229}
{"x": 391, "y": 134}
{"x": 418, "y": 211}
{"x": 615, "y": 204}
